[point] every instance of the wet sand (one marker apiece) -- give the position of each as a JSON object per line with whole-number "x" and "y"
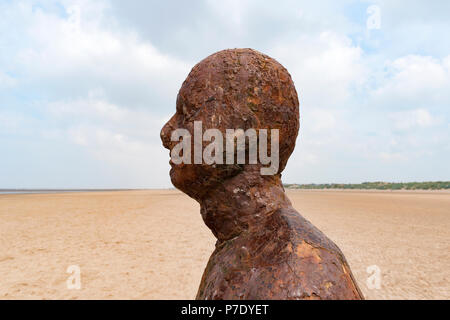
{"x": 154, "y": 245}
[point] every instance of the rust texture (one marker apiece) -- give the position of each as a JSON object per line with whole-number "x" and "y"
{"x": 265, "y": 249}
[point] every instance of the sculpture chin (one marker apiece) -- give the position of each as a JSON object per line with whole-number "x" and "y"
{"x": 198, "y": 180}
{"x": 176, "y": 177}
{"x": 185, "y": 179}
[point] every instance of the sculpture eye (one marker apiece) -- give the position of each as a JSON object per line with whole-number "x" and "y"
{"x": 180, "y": 105}
{"x": 189, "y": 111}
{"x": 185, "y": 111}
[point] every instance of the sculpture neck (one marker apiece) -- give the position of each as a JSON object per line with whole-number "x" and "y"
{"x": 242, "y": 203}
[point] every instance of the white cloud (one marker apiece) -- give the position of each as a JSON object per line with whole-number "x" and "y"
{"x": 133, "y": 162}
{"x": 319, "y": 120}
{"x": 414, "y": 81}
{"x": 393, "y": 156}
{"x": 6, "y": 81}
{"x": 414, "y": 118}
{"x": 126, "y": 139}
{"x": 12, "y": 123}
{"x": 86, "y": 50}
{"x": 325, "y": 68}
{"x": 96, "y": 110}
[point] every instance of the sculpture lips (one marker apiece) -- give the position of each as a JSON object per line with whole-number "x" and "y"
{"x": 174, "y": 165}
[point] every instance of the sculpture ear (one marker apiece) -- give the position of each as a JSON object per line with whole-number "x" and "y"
{"x": 250, "y": 120}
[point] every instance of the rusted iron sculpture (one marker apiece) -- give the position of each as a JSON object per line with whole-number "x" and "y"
{"x": 265, "y": 249}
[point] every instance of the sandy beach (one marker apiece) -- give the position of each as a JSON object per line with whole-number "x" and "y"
{"x": 153, "y": 244}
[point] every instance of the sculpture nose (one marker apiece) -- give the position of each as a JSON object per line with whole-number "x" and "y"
{"x": 166, "y": 132}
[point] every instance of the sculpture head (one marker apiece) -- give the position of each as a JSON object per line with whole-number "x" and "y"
{"x": 232, "y": 89}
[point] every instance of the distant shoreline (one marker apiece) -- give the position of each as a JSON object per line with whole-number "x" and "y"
{"x": 443, "y": 191}
{"x": 47, "y": 191}
{"x": 318, "y": 188}
{"x": 380, "y": 186}
{"x": 365, "y": 186}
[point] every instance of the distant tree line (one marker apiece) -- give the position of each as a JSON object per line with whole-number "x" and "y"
{"x": 435, "y": 185}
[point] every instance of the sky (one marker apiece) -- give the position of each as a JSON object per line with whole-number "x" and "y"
{"x": 85, "y": 86}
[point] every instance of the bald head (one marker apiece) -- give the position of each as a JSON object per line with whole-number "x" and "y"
{"x": 246, "y": 89}
{"x": 234, "y": 89}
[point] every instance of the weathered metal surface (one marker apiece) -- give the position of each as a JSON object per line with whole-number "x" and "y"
{"x": 265, "y": 249}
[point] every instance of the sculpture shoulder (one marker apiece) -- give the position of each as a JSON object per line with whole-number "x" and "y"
{"x": 318, "y": 268}
{"x": 288, "y": 259}
{"x": 301, "y": 230}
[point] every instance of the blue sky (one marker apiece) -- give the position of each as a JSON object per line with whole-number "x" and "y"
{"x": 85, "y": 86}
